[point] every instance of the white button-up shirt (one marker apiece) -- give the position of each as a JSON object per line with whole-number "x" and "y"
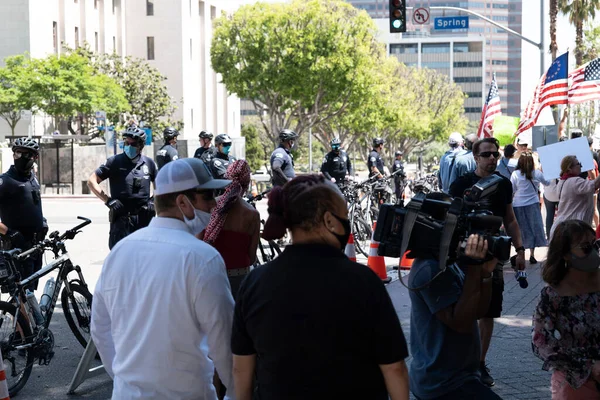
{"x": 162, "y": 315}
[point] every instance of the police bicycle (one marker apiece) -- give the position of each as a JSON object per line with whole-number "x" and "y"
{"x": 24, "y": 326}
{"x": 267, "y": 249}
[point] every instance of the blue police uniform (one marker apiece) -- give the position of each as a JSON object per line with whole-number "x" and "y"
{"x": 376, "y": 161}
{"x": 336, "y": 165}
{"x": 283, "y": 160}
{"x": 206, "y": 154}
{"x": 218, "y": 165}
{"x": 21, "y": 210}
{"x": 165, "y": 155}
{"x": 398, "y": 178}
{"x": 129, "y": 183}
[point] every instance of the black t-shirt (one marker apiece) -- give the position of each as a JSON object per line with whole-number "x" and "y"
{"x": 20, "y": 203}
{"x": 497, "y": 202}
{"x": 320, "y": 325}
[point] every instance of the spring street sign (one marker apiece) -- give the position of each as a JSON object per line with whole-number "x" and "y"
{"x": 448, "y": 23}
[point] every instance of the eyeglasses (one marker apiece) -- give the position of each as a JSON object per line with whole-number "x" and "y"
{"x": 207, "y": 195}
{"x": 487, "y": 154}
{"x": 23, "y": 153}
{"x": 588, "y": 247}
{"x": 577, "y": 165}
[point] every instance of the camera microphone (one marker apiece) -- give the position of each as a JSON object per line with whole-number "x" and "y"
{"x": 521, "y": 277}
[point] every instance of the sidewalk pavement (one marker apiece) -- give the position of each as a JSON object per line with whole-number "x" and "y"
{"x": 518, "y": 373}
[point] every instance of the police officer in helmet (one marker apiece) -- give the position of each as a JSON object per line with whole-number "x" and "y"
{"x": 282, "y": 161}
{"x": 375, "y": 162}
{"x": 336, "y": 163}
{"x": 206, "y": 151}
{"x": 220, "y": 162}
{"x": 400, "y": 176}
{"x": 130, "y": 174}
{"x": 168, "y": 152}
{"x": 23, "y": 223}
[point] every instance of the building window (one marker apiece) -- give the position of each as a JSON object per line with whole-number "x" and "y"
{"x": 150, "y": 44}
{"x": 467, "y": 79}
{"x": 55, "y": 36}
{"x": 474, "y": 95}
{"x": 435, "y": 48}
{"x": 436, "y": 64}
{"x": 96, "y": 41}
{"x": 404, "y": 48}
{"x": 499, "y": 62}
{"x": 149, "y": 7}
{"x": 467, "y": 64}
{"x": 76, "y": 37}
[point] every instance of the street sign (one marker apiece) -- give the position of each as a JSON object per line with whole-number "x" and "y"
{"x": 101, "y": 115}
{"x": 26, "y": 115}
{"x": 447, "y": 23}
{"x": 421, "y": 16}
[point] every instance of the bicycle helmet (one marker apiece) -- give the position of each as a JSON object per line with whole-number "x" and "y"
{"x": 26, "y": 144}
{"x": 205, "y": 135}
{"x": 287, "y": 134}
{"x": 223, "y": 139}
{"x": 335, "y": 142}
{"x": 399, "y": 153}
{"x": 378, "y": 141}
{"x": 169, "y": 133}
{"x": 135, "y": 133}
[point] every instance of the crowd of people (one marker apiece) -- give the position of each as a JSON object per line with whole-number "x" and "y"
{"x": 180, "y": 312}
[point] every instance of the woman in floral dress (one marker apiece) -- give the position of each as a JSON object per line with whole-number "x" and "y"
{"x": 566, "y": 323}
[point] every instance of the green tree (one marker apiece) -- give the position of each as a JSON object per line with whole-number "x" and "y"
{"x": 591, "y": 43}
{"x": 255, "y": 153}
{"x": 15, "y": 79}
{"x": 300, "y": 63}
{"x": 579, "y": 12}
{"x": 553, "y": 11}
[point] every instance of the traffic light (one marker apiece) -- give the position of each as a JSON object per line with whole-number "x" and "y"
{"x": 397, "y": 16}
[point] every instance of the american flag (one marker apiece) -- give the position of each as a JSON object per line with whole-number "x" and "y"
{"x": 491, "y": 108}
{"x": 585, "y": 84}
{"x": 552, "y": 89}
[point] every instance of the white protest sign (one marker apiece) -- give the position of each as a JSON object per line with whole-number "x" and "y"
{"x": 552, "y": 155}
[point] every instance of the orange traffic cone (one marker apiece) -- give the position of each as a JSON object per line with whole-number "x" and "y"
{"x": 350, "y": 250}
{"x": 405, "y": 263}
{"x": 254, "y": 189}
{"x": 375, "y": 261}
{"x": 3, "y": 383}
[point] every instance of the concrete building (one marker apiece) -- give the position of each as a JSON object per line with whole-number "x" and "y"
{"x": 173, "y": 35}
{"x": 502, "y": 51}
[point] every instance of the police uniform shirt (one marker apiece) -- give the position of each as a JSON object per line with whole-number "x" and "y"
{"x": 398, "y": 166}
{"x": 376, "y": 161}
{"x": 336, "y": 165}
{"x": 166, "y": 154}
{"x": 283, "y": 159}
{"x": 208, "y": 154}
{"x": 129, "y": 182}
{"x": 20, "y": 203}
{"x": 219, "y": 164}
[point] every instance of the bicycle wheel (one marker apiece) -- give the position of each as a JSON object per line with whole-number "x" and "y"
{"x": 78, "y": 311}
{"x": 362, "y": 235}
{"x": 17, "y": 363}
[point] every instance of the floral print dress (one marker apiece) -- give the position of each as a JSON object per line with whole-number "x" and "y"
{"x": 566, "y": 334}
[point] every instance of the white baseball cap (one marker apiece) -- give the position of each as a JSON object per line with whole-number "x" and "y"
{"x": 455, "y": 138}
{"x": 186, "y": 174}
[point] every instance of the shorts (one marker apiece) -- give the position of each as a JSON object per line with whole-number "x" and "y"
{"x": 495, "y": 309}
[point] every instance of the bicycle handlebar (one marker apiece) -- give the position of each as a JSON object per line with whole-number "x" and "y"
{"x": 258, "y": 197}
{"x": 70, "y": 234}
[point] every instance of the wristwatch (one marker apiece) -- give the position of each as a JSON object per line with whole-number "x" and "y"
{"x": 520, "y": 248}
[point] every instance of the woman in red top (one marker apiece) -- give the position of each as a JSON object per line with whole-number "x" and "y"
{"x": 234, "y": 226}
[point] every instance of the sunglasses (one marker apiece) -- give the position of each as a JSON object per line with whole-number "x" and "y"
{"x": 588, "y": 247}
{"x": 207, "y": 195}
{"x": 487, "y": 154}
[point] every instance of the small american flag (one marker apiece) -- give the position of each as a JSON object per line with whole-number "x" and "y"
{"x": 585, "y": 84}
{"x": 491, "y": 109}
{"x": 552, "y": 90}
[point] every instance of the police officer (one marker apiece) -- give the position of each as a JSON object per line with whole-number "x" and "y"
{"x": 168, "y": 152}
{"x": 220, "y": 162}
{"x": 23, "y": 223}
{"x": 205, "y": 150}
{"x": 400, "y": 176}
{"x": 375, "y": 162}
{"x": 130, "y": 174}
{"x": 336, "y": 163}
{"x": 282, "y": 161}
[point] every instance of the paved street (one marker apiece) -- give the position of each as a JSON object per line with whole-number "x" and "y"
{"x": 518, "y": 373}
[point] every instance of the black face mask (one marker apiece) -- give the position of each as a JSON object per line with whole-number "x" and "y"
{"x": 343, "y": 239}
{"x": 23, "y": 164}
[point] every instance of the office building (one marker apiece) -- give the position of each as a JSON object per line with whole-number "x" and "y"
{"x": 173, "y": 35}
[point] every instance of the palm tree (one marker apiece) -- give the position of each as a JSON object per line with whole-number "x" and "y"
{"x": 553, "y": 15}
{"x": 579, "y": 12}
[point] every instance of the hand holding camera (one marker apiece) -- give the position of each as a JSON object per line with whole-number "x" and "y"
{"x": 477, "y": 250}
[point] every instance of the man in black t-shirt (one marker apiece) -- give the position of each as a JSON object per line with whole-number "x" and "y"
{"x": 486, "y": 153}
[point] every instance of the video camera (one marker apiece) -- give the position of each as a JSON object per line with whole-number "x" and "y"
{"x": 436, "y": 224}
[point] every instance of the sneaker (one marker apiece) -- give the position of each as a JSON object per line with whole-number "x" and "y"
{"x": 486, "y": 378}
{"x": 532, "y": 260}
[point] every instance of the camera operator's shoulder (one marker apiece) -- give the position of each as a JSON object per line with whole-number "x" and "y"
{"x": 423, "y": 270}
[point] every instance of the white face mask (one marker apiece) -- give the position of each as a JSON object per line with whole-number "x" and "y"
{"x": 200, "y": 220}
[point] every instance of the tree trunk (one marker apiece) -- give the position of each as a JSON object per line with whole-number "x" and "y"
{"x": 553, "y": 14}
{"x": 579, "y": 43}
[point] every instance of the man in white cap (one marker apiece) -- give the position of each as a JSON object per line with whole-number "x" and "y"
{"x": 455, "y": 142}
{"x": 163, "y": 309}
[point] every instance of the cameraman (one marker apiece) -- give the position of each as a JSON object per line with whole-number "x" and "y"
{"x": 486, "y": 153}
{"x": 444, "y": 337}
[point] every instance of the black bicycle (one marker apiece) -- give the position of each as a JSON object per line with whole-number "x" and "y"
{"x": 267, "y": 249}
{"x": 24, "y": 326}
